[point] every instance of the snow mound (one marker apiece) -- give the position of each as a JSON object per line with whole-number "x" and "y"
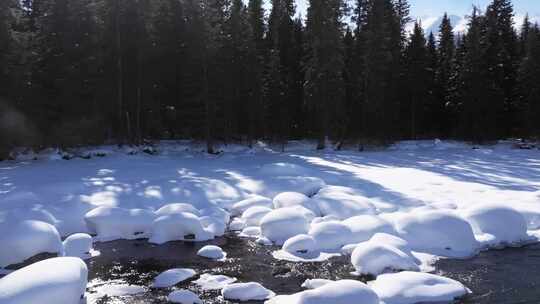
{"x": 331, "y": 236}
{"x": 363, "y": 227}
{"x": 117, "y": 289}
{"x": 23, "y": 240}
{"x": 338, "y": 292}
{"x": 212, "y": 252}
{"x": 307, "y": 185}
{"x": 315, "y": 283}
{"x": 374, "y": 259}
{"x": 172, "y": 277}
{"x": 300, "y": 245}
{"x": 282, "y": 224}
{"x": 110, "y": 223}
{"x": 253, "y": 215}
{"x": 438, "y": 232}
{"x": 184, "y": 297}
{"x": 52, "y": 281}
{"x": 251, "y": 232}
{"x": 246, "y": 292}
{"x": 497, "y": 225}
{"x": 283, "y": 169}
{"x": 79, "y": 245}
{"x": 391, "y": 240}
{"x": 237, "y": 224}
{"x": 290, "y": 199}
{"x": 416, "y": 287}
{"x": 257, "y": 200}
{"x": 177, "y": 208}
{"x": 22, "y": 214}
{"x": 215, "y": 226}
{"x": 342, "y": 202}
{"x": 328, "y": 218}
{"x": 181, "y": 226}
{"x": 213, "y": 282}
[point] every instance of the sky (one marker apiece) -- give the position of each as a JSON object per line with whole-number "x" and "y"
{"x": 436, "y": 8}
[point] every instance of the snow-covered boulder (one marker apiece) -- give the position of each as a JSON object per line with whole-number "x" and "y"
{"x": 217, "y": 213}
{"x": 30, "y": 213}
{"x": 177, "y": 208}
{"x": 300, "y": 245}
{"x": 328, "y": 218}
{"x": 237, "y": 224}
{"x": 416, "y": 287}
{"x": 20, "y": 241}
{"x": 212, "y": 252}
{"x": 315, "y": 283}
{"x": 213, "y": 282}
{"x": 253, "y": 215}
{"x": 110, "y": 223}
{"x": 495, "y": 224}
{"x": 342, "y": 202}
{"x": 257, "y": 200}
{"x": 246, "y": 292}
{"x": 307, "y": 185}
{"x": 290, "y": 199}
{"x": 79, "y": 245}
{"x": 281, "y": 224}
{"x": 438, "y": 232}
{"x": 251, "y": 232}
{"x": 181, "y": 226}
{"x": 338, "y": 292}
{"x": 172, "y": 277}
{"x": 374, "y": 259}
{"x": 363, "y": 227}
{"x": 184, "y": 296}
{"x": 331, "y": 236}
{"x": 52, "y": 281}
{"x": 213, "y": 225}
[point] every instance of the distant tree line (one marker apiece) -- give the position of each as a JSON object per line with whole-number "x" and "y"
{"x": 76, "y": 72}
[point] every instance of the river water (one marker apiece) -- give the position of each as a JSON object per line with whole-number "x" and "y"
{"x": 508, "y": 276}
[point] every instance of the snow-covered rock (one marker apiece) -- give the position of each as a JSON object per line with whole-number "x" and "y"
{"x": 181, "y": 226}
{"x": 79, "y": 245}
{"x": 215, "y": 226}
{"x": 237, "y": 224}
{"x": 177, "y": 208}
{"x": 212, "y": 252}
{"x": 110, "y": 223}
{"x": 416, "y": 287}
{"x": 331, "y": 236}
{"x": 253, "y": 215}
{"x": 495, "y": 224}
{"x": 52, "y": 281}
{"x": 213, "y": 282}
{"x": 315, "y": 283}
{"x": 172, "y": 277}
{"x": 216, "y": 213}
{"x": 338, "y": 292}
{"x": 281, "y": 224}
{"x": 300, "y": 245}
{"x": 374, "y": 259}
{"x": 342, "y": 202}
{"x": 328, "y": 218}
{"x": 290, "y": 199}
{"x": 251, "y": 232}
{"x": 256, "y": 200}
{"x": 184, "y": 296}
{"x": 307, "y": 185}
{"x": 438, "y": 232}
{"x": 30, "y": 213}
{"x": 22, "y": 240}
{"x": 363, "y": 227}
{"x": 246, "y": 292}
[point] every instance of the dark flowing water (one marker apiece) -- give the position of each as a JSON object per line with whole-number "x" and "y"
{"x": 509, "y": 276}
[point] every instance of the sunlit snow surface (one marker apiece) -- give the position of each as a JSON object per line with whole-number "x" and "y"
{"x": 439, "y": 198}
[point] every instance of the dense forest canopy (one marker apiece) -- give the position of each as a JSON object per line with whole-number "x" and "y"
{"x": 77, "y": 72}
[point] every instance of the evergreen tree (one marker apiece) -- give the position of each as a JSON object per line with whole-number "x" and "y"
{"x": 446, "y": 54}
{"x": 416, "y": 57}
{"x": 324, "y": 83}
{"x": 529, "y": 84}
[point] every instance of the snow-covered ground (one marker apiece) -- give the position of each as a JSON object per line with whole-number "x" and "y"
{"x": 391, "y": 210}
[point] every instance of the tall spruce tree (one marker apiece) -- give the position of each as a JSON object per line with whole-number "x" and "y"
{"x": 529, "y": 84}
{"x": 324, "y": 82}
{"x": 446, "y": 54}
